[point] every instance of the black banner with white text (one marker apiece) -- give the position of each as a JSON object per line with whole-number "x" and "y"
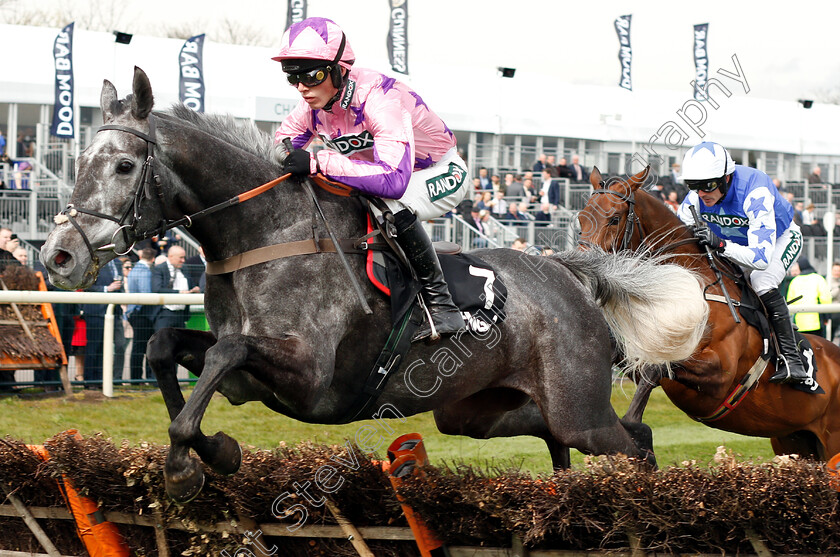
{"x": 398, "y": 36}
{"x": 191, "y": 74}
{"x": 625, "y": 52}
{"x": 296, "y": 12}
{"x": 63, "y": 121}
{"x": 701, "y": 60}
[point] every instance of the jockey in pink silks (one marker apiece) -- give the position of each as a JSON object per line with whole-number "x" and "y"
{"x": 380, "y": 139}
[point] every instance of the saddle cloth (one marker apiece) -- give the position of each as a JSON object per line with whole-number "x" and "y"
{"x": 750, "y": 310}
{"x": 475, "y": 286}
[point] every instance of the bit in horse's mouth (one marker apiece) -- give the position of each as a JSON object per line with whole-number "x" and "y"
{"x": 61, "y": 258}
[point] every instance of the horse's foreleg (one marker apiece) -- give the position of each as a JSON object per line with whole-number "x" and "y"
{"x": 644, "y": 387}
{"x": 166, "y": 349}
{"x": 804, "y": 443}
{"x": 184, "y": 475}
{"x": 286, "y": 362}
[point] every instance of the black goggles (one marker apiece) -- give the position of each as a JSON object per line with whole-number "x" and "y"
{"x": 706, "y": 185}
{"x": 311, "y": 78}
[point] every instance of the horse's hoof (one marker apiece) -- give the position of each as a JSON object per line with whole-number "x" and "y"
{"x": 222, "y": 454}
{"x": 185, "y": 485}
{"x": 642, "y": 437}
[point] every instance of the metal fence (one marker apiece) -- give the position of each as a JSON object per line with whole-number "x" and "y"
{"x": 111, "y": 342}
{"x": 29, "y": 213}
{"x": 458, "y": 231}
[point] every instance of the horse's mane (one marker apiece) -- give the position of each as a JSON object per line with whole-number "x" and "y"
{"x": 240, "y": 133}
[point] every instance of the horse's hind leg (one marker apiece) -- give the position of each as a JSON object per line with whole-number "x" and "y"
{"x": 528, "y": 420}
{"x": 465, "y": 418}
{"x": 577, "y": 409}
{"x": 804, "y": 443}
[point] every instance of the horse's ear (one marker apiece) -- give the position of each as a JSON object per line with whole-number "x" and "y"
{"x": 107, "y": 100}
{"x": 595, "y": 178}
{"x": 143, "y": 100}
{"x": 640, "y": 178}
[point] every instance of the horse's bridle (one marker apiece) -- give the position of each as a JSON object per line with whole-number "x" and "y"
{"x": 149, "y": 179}
{"x": 143, "y": 190}
{"x": 632, "y": 221}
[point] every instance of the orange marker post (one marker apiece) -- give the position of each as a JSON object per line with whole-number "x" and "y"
{"x": 101, "y": 538}
{"x": 407, "y": 455}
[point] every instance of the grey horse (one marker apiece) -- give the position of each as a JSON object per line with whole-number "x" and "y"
{"x": 291, "y": 332}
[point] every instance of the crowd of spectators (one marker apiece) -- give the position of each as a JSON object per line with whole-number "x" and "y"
{"x": 574, "y": 171}
{"x": 135, "y": 324}
{"x": 9, "y": 243}
{"x": 517, "y": 198}
{"x": 82, "y": 326}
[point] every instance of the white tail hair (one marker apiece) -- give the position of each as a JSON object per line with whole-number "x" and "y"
{"x": 655, "y": 310}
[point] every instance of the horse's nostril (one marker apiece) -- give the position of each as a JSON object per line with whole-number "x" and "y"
{"x": 61, "y": 257}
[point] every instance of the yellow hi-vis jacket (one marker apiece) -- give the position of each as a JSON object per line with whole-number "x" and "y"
{"x": 814, "y": 290}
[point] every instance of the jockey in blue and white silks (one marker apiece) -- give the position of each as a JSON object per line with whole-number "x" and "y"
{"x": 747, "y": 220}
{"x": 757, "y": 222}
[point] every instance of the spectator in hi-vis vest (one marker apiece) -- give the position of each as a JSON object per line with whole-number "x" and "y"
{"x": 810, "y": 288}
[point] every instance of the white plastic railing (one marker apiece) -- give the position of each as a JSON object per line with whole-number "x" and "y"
{"x": 113, "y": 298}
{"x": 108, "y": 298}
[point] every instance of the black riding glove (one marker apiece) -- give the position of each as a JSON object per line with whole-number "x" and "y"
{"x": 297, "y": 163}
{"x": 705, "y": 237}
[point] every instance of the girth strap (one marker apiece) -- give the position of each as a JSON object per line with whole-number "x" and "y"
{"x": 387, "y": 364}
{"x": 740, "y": 391}
{"x": 278, "y": 251}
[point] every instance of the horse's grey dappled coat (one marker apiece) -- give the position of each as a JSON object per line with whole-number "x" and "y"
{"x": 290, "y": 333}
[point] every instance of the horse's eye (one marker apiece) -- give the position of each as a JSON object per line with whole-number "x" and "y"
{"x": 615, "y": 220}
{"x": 124, "y": 167}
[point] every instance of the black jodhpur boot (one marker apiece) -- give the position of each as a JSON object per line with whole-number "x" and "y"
{"x": 418, "y": 249}
{"x": 789, "y": 368}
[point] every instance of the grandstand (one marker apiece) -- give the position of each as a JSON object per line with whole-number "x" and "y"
{"x": 502, "y": 130}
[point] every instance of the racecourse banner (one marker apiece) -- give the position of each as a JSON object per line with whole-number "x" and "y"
{"x": 701, "y": 60}
{"x": 63, "y": 107}
{"x": 191, "y": 74}
{"x": 625, "y": 52}
{"x": 398, "y": 36}
{"x": 296, "y": 12}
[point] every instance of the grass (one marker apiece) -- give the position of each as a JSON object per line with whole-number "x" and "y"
{"x": 141, "y": 416}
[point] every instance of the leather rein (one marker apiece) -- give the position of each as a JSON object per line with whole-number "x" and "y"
{"x": 148, "y": 186}
{"x": 633, "y": 222}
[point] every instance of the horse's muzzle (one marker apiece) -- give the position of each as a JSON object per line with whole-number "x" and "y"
{"x": 67, "y": 266}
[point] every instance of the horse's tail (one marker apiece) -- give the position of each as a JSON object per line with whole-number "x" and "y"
{"x": 655, "y": 310}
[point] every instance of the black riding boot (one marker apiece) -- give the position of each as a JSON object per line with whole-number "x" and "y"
{"x": 418, "y": 248}
{"x": 789, "y": 368}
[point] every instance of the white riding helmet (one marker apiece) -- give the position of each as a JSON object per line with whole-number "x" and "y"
{"x": 706, "y": 161}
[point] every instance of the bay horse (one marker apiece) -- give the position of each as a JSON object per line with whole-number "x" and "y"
{"x": 620, "y": 215}
{"x": 291, "y": 333}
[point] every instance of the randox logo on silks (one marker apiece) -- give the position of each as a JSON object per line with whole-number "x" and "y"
{"x": 726, "y": 221}
{"x": 347, "y": 144}
{"x": 792, "y": 250}
{"x": 444, "y": 184}
{"x": 348, "y": 94}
